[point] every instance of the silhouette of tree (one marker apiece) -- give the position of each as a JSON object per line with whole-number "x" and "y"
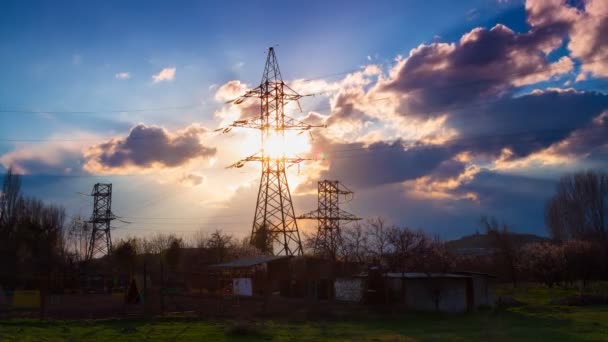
{"x": 506, "y": 249}
{"x": 579, "y": 208}
{"x": 125, "y": 254}
{"x": 262, "y": 240}
{"x": 173, "y": 254}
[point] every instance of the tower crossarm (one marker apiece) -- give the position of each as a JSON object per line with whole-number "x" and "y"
{"x": 257, "y": 158}
{"x": 338, "y": 214}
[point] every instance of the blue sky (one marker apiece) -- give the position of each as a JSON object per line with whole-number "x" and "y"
{"x": 69, "y": 68}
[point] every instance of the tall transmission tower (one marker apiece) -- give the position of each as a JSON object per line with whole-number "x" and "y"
{"x": 274, "y": 220}
{"x": 101, "y": 241}
{"x": 329, "y": 215}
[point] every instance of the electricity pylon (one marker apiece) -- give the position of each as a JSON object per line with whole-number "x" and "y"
{"x": 329, "y": 215}
{"x": 274, "y": 217}
{"x": 101, "y": 241}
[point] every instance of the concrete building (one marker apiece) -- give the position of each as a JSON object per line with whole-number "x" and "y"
{"x": 440, "y": 292}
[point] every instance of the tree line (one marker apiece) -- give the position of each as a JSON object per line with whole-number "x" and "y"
{"x": 37, "y": 240}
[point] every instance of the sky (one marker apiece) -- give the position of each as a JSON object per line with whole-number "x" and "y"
{"x": 437, "y": 112}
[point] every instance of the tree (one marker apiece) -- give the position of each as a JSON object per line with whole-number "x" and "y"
{"x": 262, "y": 240}
{"x": 173, "y": 254}
{"x": 436, "y": 258}
{"x": 506, "y": 250}
{"x": 579, "y": 208}
{"x": 545, "y": 262}
{"x": 584, "y": 260}
{"x": 354, "y": 243}
{"x": 378, "y": 238}
{"x": 220, "y": 244}
{"x": 125, "y": 254}
{"x": 408, "y": 246}
{"x": 78, "y": 234}
{"x": 9, "y": 198}
{"x": 157, "y": 243}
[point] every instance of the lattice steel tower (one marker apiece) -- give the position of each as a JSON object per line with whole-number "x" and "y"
{"x": 274, "y": 218}
{"x": 101, "y": 241}
{"x": 329, "y": 215}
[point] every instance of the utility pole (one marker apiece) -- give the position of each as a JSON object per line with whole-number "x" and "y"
{"x": 101, "y": 241}
{"x": 274, "y": 220}
{"x": 329, "y": 215}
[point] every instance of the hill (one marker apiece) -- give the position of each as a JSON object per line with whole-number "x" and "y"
{"x": 480, "y": 244}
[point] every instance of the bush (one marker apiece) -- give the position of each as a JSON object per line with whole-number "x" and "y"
{"x": 245, "y": 329}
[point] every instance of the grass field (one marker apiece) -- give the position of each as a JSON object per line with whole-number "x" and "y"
{"x": 536, "y": 321}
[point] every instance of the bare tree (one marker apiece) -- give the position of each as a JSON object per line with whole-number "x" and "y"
{"x": 579, "y": 208}
{"x": 354, "y": 243}
{"x": 9, "y": 198}
{"x": 158, "y": 243}
{"x": 378, "y": 238}
{"x": 408, "y": 246}
{"x": 436, "y": 258}
{"x": 78, "y": 233}
{"x": 506, "y": 249}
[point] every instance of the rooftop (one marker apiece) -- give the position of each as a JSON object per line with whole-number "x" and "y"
{"x": 252, "y": 261}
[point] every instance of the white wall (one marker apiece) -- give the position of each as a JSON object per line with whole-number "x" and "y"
{"x": 348, "y": 289}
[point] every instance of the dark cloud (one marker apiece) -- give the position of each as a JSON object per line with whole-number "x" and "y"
{"x": 525, "y": 124}
{"x": 148, "y": 146}
{"x": 586, "y": 139}
{"x": 380, "y": 163}
{"x": 344, "y": 109}
{"x": 483, "y": 64}
{"x": 570, "y": 122}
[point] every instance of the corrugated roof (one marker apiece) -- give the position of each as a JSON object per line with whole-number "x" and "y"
{"x": 248, "y": 262}
{"x": 422, "y": 275}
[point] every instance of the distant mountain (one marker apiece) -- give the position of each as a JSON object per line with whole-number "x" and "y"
{"x": 480, "y": 244}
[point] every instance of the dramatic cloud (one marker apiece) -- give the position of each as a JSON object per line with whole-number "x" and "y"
{"x": 122, "y": 75}
{"x": 449, "y": 110}
{"x": 586, "y": 26}
{"x": 148, "y": 147}
{"x": 167, "y": 74}
{"x": 379, "y": 163}
{"x": 483, "y": 64}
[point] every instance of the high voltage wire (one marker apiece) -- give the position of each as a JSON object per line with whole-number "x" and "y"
{"x": 180, "y": 218}
{"x": 86, "y": 112}
{"x": 188, "y": 106}
{"x": 443, "y": 110}
{"x": 394, "y": 145}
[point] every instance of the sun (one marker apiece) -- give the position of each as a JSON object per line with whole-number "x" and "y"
{"x": 290, "y": 145}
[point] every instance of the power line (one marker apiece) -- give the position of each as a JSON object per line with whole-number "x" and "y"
{"x": 108, "y": 111}
{"x": 413, "y": 144}
{"x": 188, "y": 106}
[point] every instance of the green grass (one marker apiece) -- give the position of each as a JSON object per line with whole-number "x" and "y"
{"x": 534, "y": 322}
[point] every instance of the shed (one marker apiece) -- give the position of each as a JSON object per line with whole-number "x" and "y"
{"x": 438, "y": 292}
{"x": 483, "y": 288}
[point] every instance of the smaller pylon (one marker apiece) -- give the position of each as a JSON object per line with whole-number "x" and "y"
{"x": 101, "y": 241}
{"x": 329, "y": 215}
